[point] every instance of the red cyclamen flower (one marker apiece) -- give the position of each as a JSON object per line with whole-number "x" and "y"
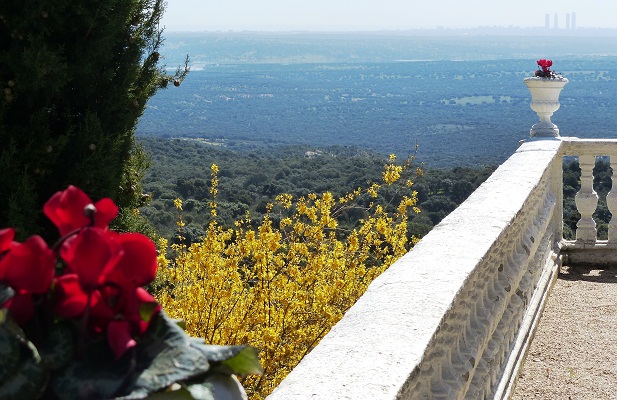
{"x": 119, "y": 337}
{"x": 137, "y": 265}
{"x": 104, "y": 273}
{"x": 70, "y": 299}
{"x": 545, "y": 64}
{"x": 66, "y": 210}
{"x": 104, "y": 270}
{"x": 91, "y": 254}
{"x": 28, "y": 268}
{"x": 6, "y": 239}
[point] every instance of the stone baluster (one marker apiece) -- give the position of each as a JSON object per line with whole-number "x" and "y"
{"x": 611, "y": 203}
{"x": 586, "y": 202}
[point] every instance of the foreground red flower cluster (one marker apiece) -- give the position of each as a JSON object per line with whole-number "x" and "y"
{"x": 102, "y": 272}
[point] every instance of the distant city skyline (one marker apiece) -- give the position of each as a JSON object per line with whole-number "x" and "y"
{"x": 570, "y": 21}
{"x": 373, "y": 15}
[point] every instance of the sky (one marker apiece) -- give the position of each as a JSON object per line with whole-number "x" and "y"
{"x": 354, "y": 15}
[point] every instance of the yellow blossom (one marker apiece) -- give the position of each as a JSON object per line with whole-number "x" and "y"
{"x": 178, "y": 204}
{"x": 281, "y": 286}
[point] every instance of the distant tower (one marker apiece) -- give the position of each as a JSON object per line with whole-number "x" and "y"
{"x": 547, "y": 21}
{"x": 573, "y": 21}
{"x": 567, "y": 21}
{"x": 556, "y": 22}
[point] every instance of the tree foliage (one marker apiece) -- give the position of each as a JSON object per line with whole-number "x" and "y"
{"x": 249, "y": 180}
{"x": 75, "y": 79}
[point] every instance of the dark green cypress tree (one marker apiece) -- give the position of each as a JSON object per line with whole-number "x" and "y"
{"x": 75, "y": 77}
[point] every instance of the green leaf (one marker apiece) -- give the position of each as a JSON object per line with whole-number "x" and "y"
{"x": 246, "y": 362}
{"x": 9, "y": 353}
{"x": 182, "y": 393}
{"x": 93, "y": 374}
{"x": 22, "y": 376}
{"x": 181, "y": 323}
{"x": 164, "y": 356}
{"x": 27, "y": 382}
{"x": 214, "y": 387}
{"x": 217, "y": 387}
{"x": 146, "y": 310}
{"x": 58, "y": 346}
{"x": 6, "y": 292}
{"x": 13, "y": 329}
{"x": 238, "y": 360}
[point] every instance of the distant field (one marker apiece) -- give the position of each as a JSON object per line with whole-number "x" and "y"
{"x": 254, "y": 91}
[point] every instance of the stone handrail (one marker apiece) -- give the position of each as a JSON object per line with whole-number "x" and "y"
{"x": 453, "y": 318}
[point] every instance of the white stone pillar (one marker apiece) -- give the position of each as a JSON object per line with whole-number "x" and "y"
{"x": 586, "y": 202}
{"x": 611, "y": 203}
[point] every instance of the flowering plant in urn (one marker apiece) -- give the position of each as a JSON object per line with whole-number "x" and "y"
{"x": 544, "y": 69}
{"x": 545, "y": 87}
{"x": 76, "y": 322}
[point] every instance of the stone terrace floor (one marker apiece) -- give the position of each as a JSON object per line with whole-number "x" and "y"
{"x": 574, "y": 352}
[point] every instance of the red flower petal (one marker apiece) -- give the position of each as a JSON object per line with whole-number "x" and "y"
{"x": 92, "y": 254}
{"x": 101, "y": 313}
{"x": 137, "y": 266}
{"x": 71, "y": 299}
{"x": 112, "y": 295}
{"x": 141, "y": 307}
{"x": 6, "y": 243}
{"x": 106, "y": 211}
{"x": 29, "y": 266}
{"x": 119, "y": 337}
{"x": 66, "y": 209}
{"x": 6, "y": 239}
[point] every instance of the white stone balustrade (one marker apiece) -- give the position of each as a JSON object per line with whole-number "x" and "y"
{"x": 452, "y": 319}
{"x": 587, "y": 249}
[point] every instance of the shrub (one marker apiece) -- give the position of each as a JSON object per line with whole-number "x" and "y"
{"x": 75, "y": 77}
{"x": 282, "y": 283}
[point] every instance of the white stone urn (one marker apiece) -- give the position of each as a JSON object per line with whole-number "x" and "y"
{"x": 545, "y": 101}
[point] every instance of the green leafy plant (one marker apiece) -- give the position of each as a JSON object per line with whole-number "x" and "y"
{"x": 76, "y": 323}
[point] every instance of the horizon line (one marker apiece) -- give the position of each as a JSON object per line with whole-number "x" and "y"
{"x": 551, "y": 30}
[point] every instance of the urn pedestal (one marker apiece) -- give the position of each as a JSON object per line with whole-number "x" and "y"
{"x": 545, "y": 101}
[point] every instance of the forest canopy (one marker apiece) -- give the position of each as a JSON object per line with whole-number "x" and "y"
{"x": 249, "y": 180}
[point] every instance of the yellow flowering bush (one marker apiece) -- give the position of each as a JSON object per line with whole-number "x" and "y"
{"x": 282, "y": 283}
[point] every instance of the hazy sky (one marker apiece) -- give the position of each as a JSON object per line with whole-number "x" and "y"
{"x": 345, "y": 15}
